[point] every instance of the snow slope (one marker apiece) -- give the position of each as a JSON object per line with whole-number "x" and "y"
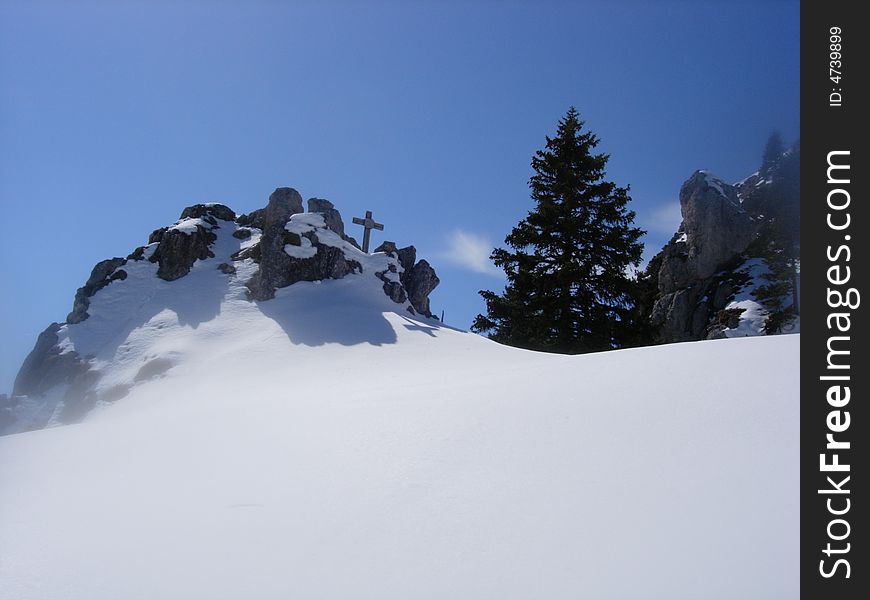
{"x": 325, "y": 445}
{"x": 433, "y": 465}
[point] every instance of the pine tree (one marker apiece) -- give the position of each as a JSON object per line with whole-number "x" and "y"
{"x": 568, "y": 288}
{"x": 778, "y": 241}
{"x": 772, "y": 154}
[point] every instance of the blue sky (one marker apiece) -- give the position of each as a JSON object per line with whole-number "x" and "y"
{"x": 116, "y": 115}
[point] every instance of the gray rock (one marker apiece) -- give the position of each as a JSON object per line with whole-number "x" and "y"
{"x": 421, "y": 280}
{"x": 45, "y": 367}
{"x": 388, "y": 248}
{"x": 672, "y": 314}
{"x": 717, "y": 227}
{"x": 157, "y": 235}
{"x": 394, "y": 290}
{"x": 242, "y": 233}
{"x": 255, "y": 219}
{"x": 226, "y": 269}
{"x": 674, "y": 271}
{"x": 292, "y": 239}
{"x": 277, "y": 268}
{"x": 177, "y": 251}
{"x": 696, "y": 276}
{"x": 406, "y": 256}
{"x": 102, "y": 275}
{"x": 283, "y": 203}
{"x": 199, "y": 211}
{"x": 417, "y": 279}
{"x": 331, "y": 216}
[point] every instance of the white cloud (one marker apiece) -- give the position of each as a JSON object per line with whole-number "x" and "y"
{"x": 661, "y": 220}
{"x": 470, "y": 251}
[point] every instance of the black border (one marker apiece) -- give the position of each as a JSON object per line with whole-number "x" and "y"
{"x": 827, "y": 128}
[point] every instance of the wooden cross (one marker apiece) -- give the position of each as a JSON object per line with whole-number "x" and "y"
{"x": 368, "y": 223}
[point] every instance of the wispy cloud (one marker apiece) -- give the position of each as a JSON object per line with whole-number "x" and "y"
{"x": 470, "y": 251}
{"x": 662, "y": 220}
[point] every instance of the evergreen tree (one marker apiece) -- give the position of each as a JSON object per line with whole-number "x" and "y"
{"x": 568, "y": 287}
{"x": 778, "y": 241}
{"x": 772, "y": 154}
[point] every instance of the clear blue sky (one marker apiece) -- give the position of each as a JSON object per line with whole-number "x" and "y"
{"x": 116, "y": 115}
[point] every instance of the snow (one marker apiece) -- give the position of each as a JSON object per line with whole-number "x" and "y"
{"x": 752, "y": 319}
{"x": 745, "y": 179}
{"x": 682, "y": 238}
{"x": 754, "y": 315}
{"x": 306, "y": 250}
{"x": 327, "y": 444}
{"x": 715, "y": 182}
{"x": 190, "y": 225}
{"x": 304, "y": 222}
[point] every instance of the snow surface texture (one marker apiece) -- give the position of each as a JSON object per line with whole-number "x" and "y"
{"x": 325, "y": 445}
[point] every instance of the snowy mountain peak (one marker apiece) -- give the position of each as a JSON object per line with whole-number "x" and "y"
{"x": 729, "y": 270}
{"x": 212, "y": 275}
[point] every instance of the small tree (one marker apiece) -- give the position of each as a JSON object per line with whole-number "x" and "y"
{"x": 568, "y": 283}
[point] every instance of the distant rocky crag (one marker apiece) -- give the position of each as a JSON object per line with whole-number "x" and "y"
{"x": 285, "y": 251}
{"x": 731, "y": 268}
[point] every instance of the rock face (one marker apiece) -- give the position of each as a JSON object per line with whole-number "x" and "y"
{"x": 183, "y": 244}
{"x": 277, "y": 268}
{"x": 278, "y": 246}
{"x": 725, "y": 230}
{"x": 46, "y": 366}
{"x": 331, "y": 217}
{"x": 104, "y": 273}
{"x": 417, "y": 278}
{"x": 420, "y": 282}
{"x": 716, "y": 226}
{"x": 210, "y": 212}
{"x": 715, "y": 231}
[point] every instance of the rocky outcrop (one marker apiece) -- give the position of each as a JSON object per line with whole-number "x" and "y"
{"x": 421, "y": 281}
{"x": 57, "y": 385}
{"x": 46, "y": 366}
{"x": 725, "y": 229}
{"x": 717, "y": 227}
{"x": 209, "y": 212}
{"x": 104, "y": 273}
{"x": 715, "y": 231}
{"x": 277, "y": 268}
{"x": 178, "y": 249}
{"x": 186, "y": 242}
{"x": 392, "y": 285}
{"x": 331, "y": 216}
{"x": 255, "y": 219}
{"x": 418, "y": 278}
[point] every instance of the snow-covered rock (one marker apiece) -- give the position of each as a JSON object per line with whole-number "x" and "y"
{"x": 190, "y": 270}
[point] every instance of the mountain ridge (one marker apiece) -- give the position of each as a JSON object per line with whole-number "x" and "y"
{"x": 188, "y": 269}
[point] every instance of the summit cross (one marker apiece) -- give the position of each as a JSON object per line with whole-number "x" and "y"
{"x": 368, "y": 223}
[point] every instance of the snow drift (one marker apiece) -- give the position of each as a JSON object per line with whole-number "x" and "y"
{"x": 330, "y": 443}
{"x": 331, "y": 450}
